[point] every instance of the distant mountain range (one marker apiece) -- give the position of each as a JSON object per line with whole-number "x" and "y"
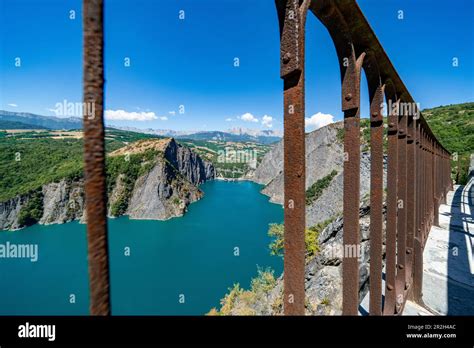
{"x": 38, "y": 121}
{"x": 225, "y": 136}
{"x": 22, "y": 120}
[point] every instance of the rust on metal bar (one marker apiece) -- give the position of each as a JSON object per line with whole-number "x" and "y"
{"x": 292, "y": 16}
{"x": 401, "y": 281}
{"x": 350, "y": 262}
{"x": 376, "y": 95}
{"x": 411, "y": 196}
{"x": 391, "y": 229}
{"x": 94, "y": 158}
{"x": 418, "y": 165}
{"x": 291, "y": 61}
{"x": 436, "y": 197}
{"x": 416, "y": 293}
{"x": 429, "y": 196}
{"x": 427, "y": 188}
{"x": 350, "y": 67}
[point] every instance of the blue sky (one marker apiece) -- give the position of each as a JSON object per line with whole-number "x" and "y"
{"x": 190, "y": 62}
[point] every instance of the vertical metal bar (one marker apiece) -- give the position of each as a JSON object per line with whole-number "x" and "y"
{"x": 376, "y": 201}
{"x": 423, "y": 186}
{"x": 418, "y": 180}
{"x": 436, "y": 197}
{"x": 294, "y": 176}
{"x": 426, "y": 178}
{"x": 350, "y": 262}
{"x": 447, "y": 175}
{"x": 292, "y": 71}
{"x": 392, "y": 177}
{"x": 450, "y": 179}
{"x": 444, "y": 178}
{"x": 439, "y": 163}
{"x": 401, "y": 280}
{"x": 431, "y": 182}
{"x": 411, "y": 189}
{"x": 418, "y": 243}
{"x": 443, "y": 175}
{"x": 428, "y": 188}
{"x": 94, "y": 158}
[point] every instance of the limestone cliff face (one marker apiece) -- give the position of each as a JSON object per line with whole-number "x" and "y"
{"x": 62, "y": 202}
{"x": 324, "y": 154}
{"x": 162, "y": 192}
{"x": 9, "y": 212}
{"x": 188, "y": 163}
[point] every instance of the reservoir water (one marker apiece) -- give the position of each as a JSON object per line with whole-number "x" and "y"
{"x": 182, "y": 266}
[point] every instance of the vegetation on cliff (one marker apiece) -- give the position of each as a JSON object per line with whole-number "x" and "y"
{"x": 131, "y": 167}
{"x": 240, "y": 302}
{"x": 316, "y": 190}
{"x": 32, "y": 211}
{"x": 453, "y": 125}
{"x": 26, "y": 165}
{"x": 28, "y": 160}
{"x": 277, "y": 231}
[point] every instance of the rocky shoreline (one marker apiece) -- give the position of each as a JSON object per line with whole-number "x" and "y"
{"x": 161, "y": 193}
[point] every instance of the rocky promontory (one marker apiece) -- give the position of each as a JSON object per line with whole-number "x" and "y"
{"x": 149, "y": 179}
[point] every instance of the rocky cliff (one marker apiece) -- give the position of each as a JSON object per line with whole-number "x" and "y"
{"x": 165, "y": 185}
{"x": 324, "y": 154}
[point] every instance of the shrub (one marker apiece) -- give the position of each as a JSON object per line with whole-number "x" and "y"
{"x": 132, "y": 167}
{"x": 240, "y": 302}
{"x": 316, "y": 190}
{"x": 32, "y": 211}
{"x": 277, "y": 231}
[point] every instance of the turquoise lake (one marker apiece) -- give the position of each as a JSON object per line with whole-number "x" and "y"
{"x": 191, "y": 255}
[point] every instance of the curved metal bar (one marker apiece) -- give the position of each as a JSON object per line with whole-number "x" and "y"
{"x": 350, "y": 68}
{"x": 292, "y": 15}
{"x": 401, "y": 282}
{"x": 418, "y": 174}
{"x": 411, "y": 196}
{"x": 376, "y": 96}
{"x": 392, "y": 198}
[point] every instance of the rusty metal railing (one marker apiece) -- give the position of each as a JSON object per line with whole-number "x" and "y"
{"x": 94, "y": 157}
{"x": 418, "y": 165}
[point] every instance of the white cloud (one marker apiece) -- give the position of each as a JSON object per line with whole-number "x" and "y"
{"x": 12, "y": 105}
{"x": 318, "y": 120}
{"x": 163, "y": 118}
{"x": 267, "y": 121}
{"x": 228, "y": 119}
{"x": 122, "y": 115}
{"x": 248, "y": 117}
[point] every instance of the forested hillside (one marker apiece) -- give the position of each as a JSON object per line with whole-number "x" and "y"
{"x": 453, "y": 125}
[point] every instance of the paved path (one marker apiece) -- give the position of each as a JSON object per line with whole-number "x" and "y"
{"x": 448, "y": 268}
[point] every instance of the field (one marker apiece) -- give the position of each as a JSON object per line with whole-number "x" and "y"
{"x": 30, "y": 158}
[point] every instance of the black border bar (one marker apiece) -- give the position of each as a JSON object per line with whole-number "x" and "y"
{"x": 242, "y": 330}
